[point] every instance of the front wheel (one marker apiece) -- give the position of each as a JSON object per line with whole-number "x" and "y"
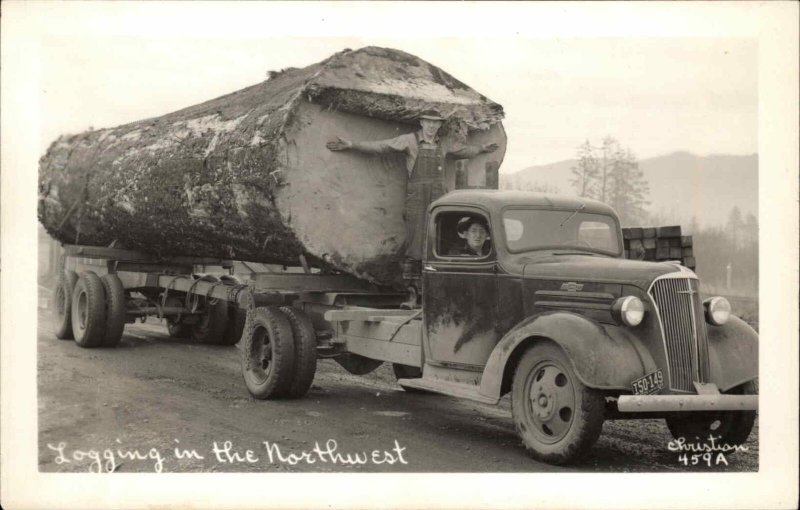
{"x": 556, "y": 416}
{"x": 726, "y": 427}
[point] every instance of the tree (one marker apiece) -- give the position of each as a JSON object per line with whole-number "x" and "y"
{"x": 629, "y": 189}
{"x": 585, "y": 173}
{"x": 750, "y": 229}
{"x": 611, "y": 174}
{"x": 736, "y": 226}
{"x": 608, "y": 149}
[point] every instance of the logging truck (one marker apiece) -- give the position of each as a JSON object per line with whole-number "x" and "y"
{"x": 551, "y": 313}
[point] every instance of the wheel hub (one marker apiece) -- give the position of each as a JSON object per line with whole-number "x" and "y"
{"x": 545, "y": 404}
{"x": 552, "y": 401}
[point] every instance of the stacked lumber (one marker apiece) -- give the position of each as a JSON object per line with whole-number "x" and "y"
{"x": 658, "y": 244}
{"x": 247, "y": 176}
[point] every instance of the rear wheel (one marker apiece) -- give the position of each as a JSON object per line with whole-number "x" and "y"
{"x": 726, "y": 427}
{"x": 267, "y": 353}
{"x": 211, "y": 326}
{"x": 62, "y": 304}
{"x": 89, "y": 311}
{"x": 556, "y": 416}
{"x": 305, "y": 352}
{"x": 236, "y": 316}
{"x": 115, "y": 309}
{"x": 176, "y": 327}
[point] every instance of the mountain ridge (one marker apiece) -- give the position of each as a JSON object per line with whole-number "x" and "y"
{"x": 683, "y": 185}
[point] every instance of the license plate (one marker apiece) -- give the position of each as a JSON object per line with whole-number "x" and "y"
{"x": 651, "y": 383}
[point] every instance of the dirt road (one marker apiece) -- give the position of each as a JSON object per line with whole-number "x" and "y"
{"x": 127, "y": 409}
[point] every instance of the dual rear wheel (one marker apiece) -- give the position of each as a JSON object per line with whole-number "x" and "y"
{"x": 220, "y": 323}
{"x": 279, "y": 357}
{"x": 89, "y": 309}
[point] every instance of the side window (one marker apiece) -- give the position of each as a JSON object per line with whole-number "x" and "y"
{"x": 461, "y": 234}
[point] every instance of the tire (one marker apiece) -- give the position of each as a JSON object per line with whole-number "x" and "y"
{"x": 62, "y": 304}
{"x": 89, "y": 311}
{"x": 115, "y": 309}
{"x": 305, "y": 352}
{"x": 236, "y": 316}
{"x": 556, "y": 416}
{"x": 175, "y": 325}
{"x": 210, "y": 329}
{"x": 727, "y": 427}
{"x": 267, "y": 353}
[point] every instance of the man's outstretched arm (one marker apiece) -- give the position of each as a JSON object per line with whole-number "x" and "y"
{"x": 397, "y": 144}
{"x": 465, "y": 151}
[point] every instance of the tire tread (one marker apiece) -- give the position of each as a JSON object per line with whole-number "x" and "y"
{"x": 591, "y": 416}
{"x": 305, "y": 352}
{"x": 115, "y": 310}
{"x": 280, "y": 331}
{"x": 95, "y": 332}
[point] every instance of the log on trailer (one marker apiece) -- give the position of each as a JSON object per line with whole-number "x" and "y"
{"x": 247, "y": 176}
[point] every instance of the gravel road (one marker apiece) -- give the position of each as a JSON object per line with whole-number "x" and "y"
{"x": 127, "y": 410}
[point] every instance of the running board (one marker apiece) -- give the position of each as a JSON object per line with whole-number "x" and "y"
{"x": 451, "y": 389}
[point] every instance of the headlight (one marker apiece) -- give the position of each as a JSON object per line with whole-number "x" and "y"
{"x": 629, "y": 310}
{"x": 718, "y": 310}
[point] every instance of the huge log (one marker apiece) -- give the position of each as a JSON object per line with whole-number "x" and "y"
{"x": 247, "y": 176}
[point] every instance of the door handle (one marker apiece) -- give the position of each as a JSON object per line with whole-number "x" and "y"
{"x": 429, "y": 267}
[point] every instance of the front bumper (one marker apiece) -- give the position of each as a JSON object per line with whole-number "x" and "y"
{"x": 673, "y": 403}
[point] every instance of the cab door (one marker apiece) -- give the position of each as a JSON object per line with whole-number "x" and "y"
{"x": 459, "y": 294}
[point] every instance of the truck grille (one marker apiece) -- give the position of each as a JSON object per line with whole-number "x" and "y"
{"x": 683, "y": 323}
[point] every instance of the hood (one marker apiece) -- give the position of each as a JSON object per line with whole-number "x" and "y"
{"x": 580, "y": 267}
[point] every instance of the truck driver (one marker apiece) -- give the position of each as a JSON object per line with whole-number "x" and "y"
{"x": 475, "y": 232}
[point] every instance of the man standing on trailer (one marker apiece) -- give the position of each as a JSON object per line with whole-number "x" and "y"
{"x": 425, "y": 157}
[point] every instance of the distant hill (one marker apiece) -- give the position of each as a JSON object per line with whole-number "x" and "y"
{"x": 682, "y": 185}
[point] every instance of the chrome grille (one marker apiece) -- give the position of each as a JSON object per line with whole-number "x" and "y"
{"x": 682, "y": 321}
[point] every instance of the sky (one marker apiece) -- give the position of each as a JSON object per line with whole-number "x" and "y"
{"x": 656, "y": 95}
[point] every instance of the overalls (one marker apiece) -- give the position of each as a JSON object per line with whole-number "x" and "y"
{"x": 424, "y": 186}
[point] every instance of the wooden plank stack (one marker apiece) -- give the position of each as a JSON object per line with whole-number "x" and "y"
{"x": 658, "y": 244}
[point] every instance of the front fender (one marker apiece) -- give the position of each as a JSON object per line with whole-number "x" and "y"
{"x": 732, "y": 353}
{"x": 604, "y": 356}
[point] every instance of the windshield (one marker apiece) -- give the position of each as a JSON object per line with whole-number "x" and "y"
{"x": 535, "y": 229}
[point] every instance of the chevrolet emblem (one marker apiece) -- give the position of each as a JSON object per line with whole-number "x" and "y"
{"x": 572, "y": 286}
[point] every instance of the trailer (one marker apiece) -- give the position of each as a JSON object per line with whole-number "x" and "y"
{"x": 545, "y": 308}
{"x": 293, "y": 312}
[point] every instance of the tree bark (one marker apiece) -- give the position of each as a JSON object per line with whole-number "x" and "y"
{"x": 247, "y": 176}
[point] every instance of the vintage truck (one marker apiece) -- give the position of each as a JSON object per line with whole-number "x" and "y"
{"x": 552, "y": 314}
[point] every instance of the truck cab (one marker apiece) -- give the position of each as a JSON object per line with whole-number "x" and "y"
{"x": 551, "y": 312}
